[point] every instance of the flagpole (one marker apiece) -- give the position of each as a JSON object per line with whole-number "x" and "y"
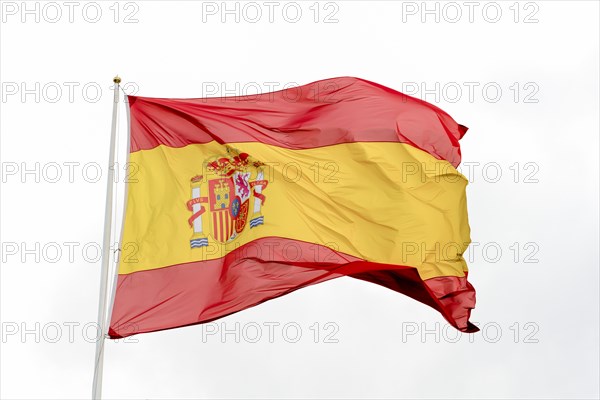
{"x": 106, "y": 254}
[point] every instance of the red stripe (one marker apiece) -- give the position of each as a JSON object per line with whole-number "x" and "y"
{"x": 226, "y": 226}
{"x": 230, "y": 225}
{"x": 264, "y": 269}
{"x": 221, "y": 232}
{"x": 323, "y": 113}
{"x": 226, "y": 219}
{"x": 214, "y": 226}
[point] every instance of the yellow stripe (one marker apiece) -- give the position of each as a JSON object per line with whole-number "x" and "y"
{"x": 382, "y": 202}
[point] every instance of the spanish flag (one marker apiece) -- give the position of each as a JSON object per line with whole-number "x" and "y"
{"x": 233, "y": 201}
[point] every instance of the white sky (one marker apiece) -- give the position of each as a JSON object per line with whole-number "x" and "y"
{"x": 537, "y": 299}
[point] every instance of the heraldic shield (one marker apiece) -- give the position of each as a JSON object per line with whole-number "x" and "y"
{"x": 221, "y": 208}
{"x": 233, "y": 188}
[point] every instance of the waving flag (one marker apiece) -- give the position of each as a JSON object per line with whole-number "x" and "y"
{"x": 234, "y": 201}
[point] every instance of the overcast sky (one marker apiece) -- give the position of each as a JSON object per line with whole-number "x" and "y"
{"x": 522, "y": 76}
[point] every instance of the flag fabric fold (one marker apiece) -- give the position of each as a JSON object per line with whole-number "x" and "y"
{"x": 233, "y": 201}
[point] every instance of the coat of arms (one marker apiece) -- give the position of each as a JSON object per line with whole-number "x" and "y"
{"x": 232, "y": 188}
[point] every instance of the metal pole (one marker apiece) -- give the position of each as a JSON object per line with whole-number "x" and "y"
{"x": 106, "y": 254}
{"x": 115, "y": 277}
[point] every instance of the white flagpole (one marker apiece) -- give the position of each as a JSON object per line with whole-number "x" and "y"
{"x": 106, "y": 254}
